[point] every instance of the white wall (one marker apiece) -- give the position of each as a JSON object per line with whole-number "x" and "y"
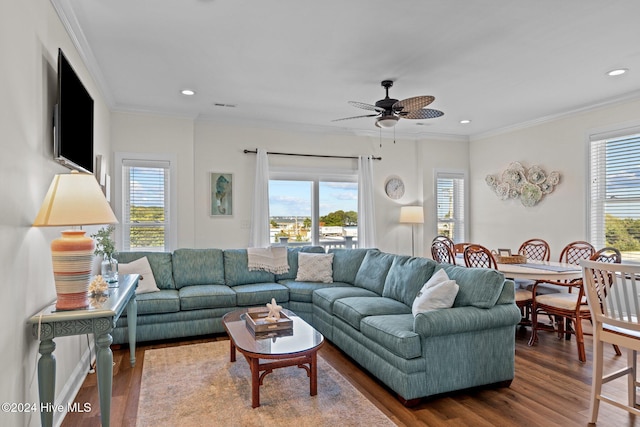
{"x": 452, "y": 155}
{"x": 561, "y": 144}
{"x": 219, "y": 148}
{"x": 143, "y": 133}
{"x": 30, "y": 34}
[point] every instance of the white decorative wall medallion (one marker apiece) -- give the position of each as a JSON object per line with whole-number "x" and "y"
{"x": 528, "y": 185}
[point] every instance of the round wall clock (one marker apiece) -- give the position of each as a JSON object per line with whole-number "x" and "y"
{"x": 394, "y": 188}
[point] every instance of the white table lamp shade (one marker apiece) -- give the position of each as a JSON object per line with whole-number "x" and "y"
{"x": 74, "y": 199}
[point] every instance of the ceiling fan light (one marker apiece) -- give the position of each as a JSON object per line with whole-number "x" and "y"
{"x": 387, "y": 121}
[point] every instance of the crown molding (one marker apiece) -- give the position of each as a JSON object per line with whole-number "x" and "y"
{"x": 631, "y": 96}
{"x": 71, "y": 25}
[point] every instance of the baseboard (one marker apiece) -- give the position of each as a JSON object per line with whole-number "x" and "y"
{"x": 72, "y": 386}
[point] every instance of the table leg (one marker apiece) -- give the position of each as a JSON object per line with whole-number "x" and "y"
{"x": 104, "y": 365}
{"x": 46, "y": 381}
{"x": 232, "y": 351}
{"x": 132, "y": 316}
{"x": 313, "y": 380}
{"x": 255, "y": 381}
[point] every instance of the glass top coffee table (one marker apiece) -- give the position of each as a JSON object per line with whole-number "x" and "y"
{"x": 296, "y": 347}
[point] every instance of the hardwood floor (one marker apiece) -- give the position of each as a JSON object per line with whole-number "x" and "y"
{"x": 551, "y": 388}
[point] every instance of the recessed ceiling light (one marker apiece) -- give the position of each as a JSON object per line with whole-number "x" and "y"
{"x": 187, "y": 92}
{"x": 617, "y": 72}
{"x": 465, "y": 121}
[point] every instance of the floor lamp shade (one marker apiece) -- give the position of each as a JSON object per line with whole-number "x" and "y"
{"x": 412, "y": 215}
{"x": 73, "y": 199}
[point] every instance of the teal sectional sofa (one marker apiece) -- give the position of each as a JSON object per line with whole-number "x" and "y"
{"x": 366, "y": 312}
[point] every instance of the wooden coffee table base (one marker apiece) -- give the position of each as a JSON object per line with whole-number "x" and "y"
{"x": 305, "y": 359}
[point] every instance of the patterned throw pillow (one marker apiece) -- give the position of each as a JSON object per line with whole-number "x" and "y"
{"x": 315, "y": 267}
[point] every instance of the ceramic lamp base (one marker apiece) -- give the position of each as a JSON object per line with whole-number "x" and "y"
{"x": 72, "y": 256}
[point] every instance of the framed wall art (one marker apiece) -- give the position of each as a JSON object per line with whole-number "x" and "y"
{"x": 221, "y": 194}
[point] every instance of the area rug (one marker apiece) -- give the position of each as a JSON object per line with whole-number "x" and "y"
{"x": 196, "y": 385}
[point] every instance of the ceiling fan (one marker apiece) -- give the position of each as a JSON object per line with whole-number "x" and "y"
{"x": 389, "y": 110}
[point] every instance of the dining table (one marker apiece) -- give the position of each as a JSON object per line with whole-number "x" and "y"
{"x": 537, "y": 270}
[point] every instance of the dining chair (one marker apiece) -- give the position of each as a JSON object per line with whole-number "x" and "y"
{"x": 613, "y": 295}
{"x": 568, "y": 308}
{"x": 608, "y": 254}
{"x": 576, "y": 251}
{"x": 479, "y": 256}
{"x": 442, "y": 250}
{"x": 459, "y": 248}
{"x": 535, "y": 249}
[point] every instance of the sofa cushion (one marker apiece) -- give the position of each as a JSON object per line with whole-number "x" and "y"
{"x": 406, "y": 276}
{"x": 325, "y": 298}
{"x": 292, "y": 257}
{"x": 373, "y": 271}
{"x": 353, "y": 309}
{"x": 260, "y": 293}
{"x": 303, "y": 291}
{"x": 206, "y": 296}
{"x": 479, "y": 287}
{"x": 315, "y": 268}
{"x": 164, "y": 301}
{"x": 146, "y": 281}
{"x": 160, "y": 263}
{"x": 439, "y": 292}
{"x": 236, "y": 269}
{"x": 198, "y": 267}
{"x": 346, "y": 263}
{"x": 393, "y": 332}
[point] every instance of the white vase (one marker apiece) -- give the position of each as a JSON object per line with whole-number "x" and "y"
{"x": 109, "y": 271}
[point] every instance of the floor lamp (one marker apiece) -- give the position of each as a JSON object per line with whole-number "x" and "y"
{"x": 412, "y": 215}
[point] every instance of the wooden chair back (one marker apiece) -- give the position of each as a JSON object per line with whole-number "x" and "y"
{"x": 535, "y": 249}
{"x": 459, "y": 248}
{"x": 479, "y": 256}
{"x": 576, "y": 251}
{"x": 608, "y": 254}
{"x": 442, "y": 250}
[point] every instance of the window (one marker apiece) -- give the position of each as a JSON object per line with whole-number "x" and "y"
{"x": 450, "y": 205}
{"x": 614, "y": 187}
{"x": 145, "y": 204}
{"x": 314, "y": 208}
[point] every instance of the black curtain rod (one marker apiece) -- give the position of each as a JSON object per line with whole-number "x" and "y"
{"x": 308, "y": 155}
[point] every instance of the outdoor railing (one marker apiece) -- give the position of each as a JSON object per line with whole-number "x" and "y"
{"x": 348, "y": 242}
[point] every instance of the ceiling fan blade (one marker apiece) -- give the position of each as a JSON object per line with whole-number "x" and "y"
{"x": 425, "y": 113}
{"x": 355, "y": 117}
{"x": 413, "y": 104}
{"x": 366, "y": 106}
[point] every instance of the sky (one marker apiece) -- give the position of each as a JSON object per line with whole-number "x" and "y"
{"x": 293, "y": 198}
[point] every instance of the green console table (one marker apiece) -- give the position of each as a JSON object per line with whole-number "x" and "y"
{"x": 99, "y": 319}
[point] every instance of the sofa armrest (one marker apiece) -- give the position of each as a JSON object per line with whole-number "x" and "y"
{"x": 465, "y": 319}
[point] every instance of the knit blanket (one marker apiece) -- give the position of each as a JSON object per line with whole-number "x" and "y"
{"x": 272, "y": 259}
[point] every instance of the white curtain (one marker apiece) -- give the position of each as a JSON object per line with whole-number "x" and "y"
{"x": 259, "y": 237}
{"x": 366, "y": 209}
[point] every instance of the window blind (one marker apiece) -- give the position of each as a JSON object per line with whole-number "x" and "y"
{"x": 145, "y": 205}
{"x": 450, "y": 197}
{"x": 615, "y": 194}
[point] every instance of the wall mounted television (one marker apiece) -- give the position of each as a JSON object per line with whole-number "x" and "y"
{"x": 73, "y": 120}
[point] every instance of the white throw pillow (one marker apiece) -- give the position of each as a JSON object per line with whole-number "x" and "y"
{"x": 146, "y": 283}
{"x": 315, "y": 267}
{"x": 438, "y": 292}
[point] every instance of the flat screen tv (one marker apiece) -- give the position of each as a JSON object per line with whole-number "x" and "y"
{"x": 73, "y": 120}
